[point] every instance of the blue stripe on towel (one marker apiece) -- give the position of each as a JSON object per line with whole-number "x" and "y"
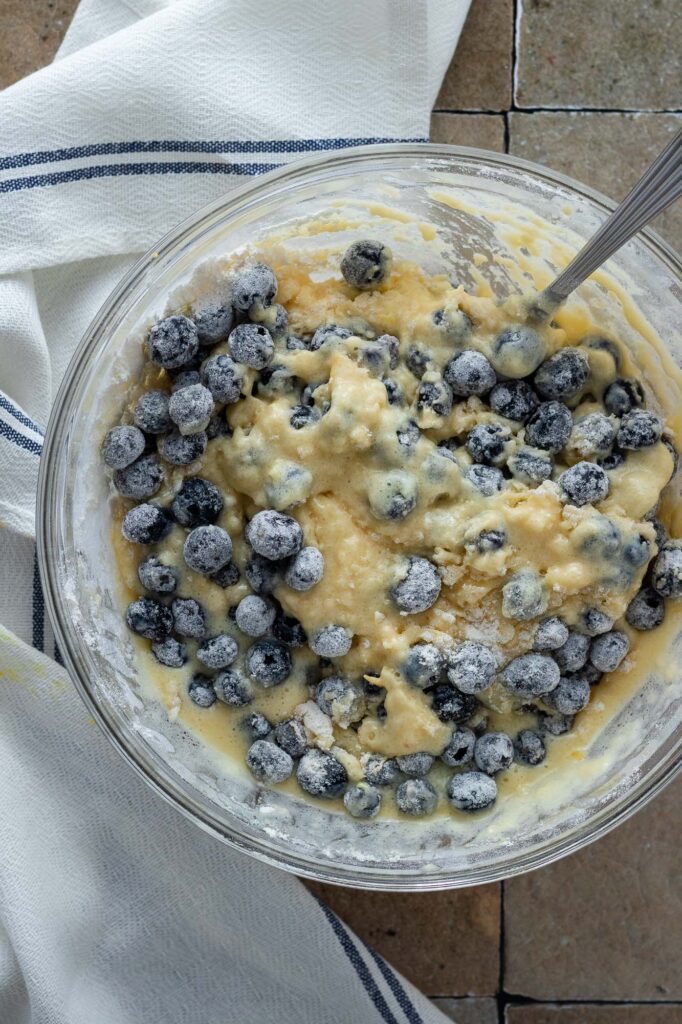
{"x": 18, "y": 415}
{"x": 117, "y": 170}
{"x": 394, "y": 983}
{"x": 35, "y": 447}
{"x": 38, "y": 635}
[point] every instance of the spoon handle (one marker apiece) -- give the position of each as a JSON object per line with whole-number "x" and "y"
{"x": 659, "y": 186}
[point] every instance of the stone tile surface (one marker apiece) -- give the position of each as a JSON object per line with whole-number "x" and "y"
{"x": 483, "y": 131}
{"x": 614, "y": 54}
{"x": 605, "y": 923}
{"x": 30, "y": 33}
{"x": 479, "y": 77}
{"x": 607, "y": 151}
{"x": 446, "y": 943}
{"x": 468, "y": 1011}
{"x": 586, "y": 1013}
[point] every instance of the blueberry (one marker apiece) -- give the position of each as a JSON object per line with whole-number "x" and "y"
{"x": 584, "y": 484}
{"x": 303, "y": 416}
{"x": 151, "y": 412}
{"x": 328, "y": 334}
{"x": 173, "y": 342}
{"x": 253, "y": 284}
{"x": 223, "y": 378}
{"x": 530, "y": 465}
{"x": 524, "y": 596}
{"x": 255, "y": 615}
{"x": 217, "y": 651}
{"x": 551, "y": 634}
{"x": 141, "y": 479}
{"x": 392, "y": 494}
{"x": 121, "y": 446}
{"x": 213, "y": 322}
{"x": 639, "y": 429}
{"x": 277, "y": 379}
{"x": 251, "y": 345}
{"x": 185, "y": 379}
{"x": 291, "y": 736}
{"x": 181, "y": 450}
{"x": 487, "y": 443}
{"x": 603, "y": 538}
{"x": 451, "y": 705}
{"x": 593, "y": 434}
{"x": 623, "y": 395}
{"x": 197, "y": 503}
{"x": 613, "y": 460}
{"x": 590, "y": 674}
{"x": 233, "y": 688}
{"x": 289, "y": 630}
{"x": 469, "y": 373}
{"x": 417, "y": 361}
{"x": 600, "y": 344}
{"x": 416, "y": 797}
{"x": 227, "y": 576}
{"x": 207, "y": 549}
{"x": 320, "y": 774}
{"x": 570, "y": 696}
{"x": 563, "y": 375}
{"x": 274, "y": 317}
{"x": 201, "y": 691}
{"x": 486, "y": 541}
{"x": 419, "y": 587}
{"x": 305, "y": 570}
{"x": 531, "y": 675}
{"x": 646, "y": 610}
{"x": 257, "y": 726}
{"x": 608, "y": 650}
{"x": 556, "y": 724}
{"x": 366, "y": 264}
{"x": 146, "y": 524}
{"x": 393, "y": 391}
{"x": 529, "y": 747}
{"x": 666, "y": 576}
{"x": 408, "y": 435}
{"x": 170, "y": 652}
{"x": 331, "y": 641}
{"x": 637, "y": 551}
{"x": 262, "y": 574}
{"x": 268, "y": 662}
{"x": 493, "y": 752}
{"x": 274, "y": 535}
{"x": 189, "y": 617}
{"x": 471, "y": 791}
{"x": 471, "y": 667}
{"x": 380, "y": 355}
{"x": 362, "y": 800}
{"x": 157, "y": 577}
{"x": 434, "y": 395}
{"x": 594, "y": 621}
{"x": 549, "y": 427}
{"x": 517, "y": 352}
{"x": 379, "y": 771}
{"x": 452, "y": 323}
{"x": 149, "y": 618}
{"x": 460, "y": 748}
{"x": 295, "y": 344}
{"x": 423, "y": 665}
{"x": 485, "y": 479}
{"x": 268, "y": 762}
{"x": 416, "y": 765}
{"x": 513, "y": 399}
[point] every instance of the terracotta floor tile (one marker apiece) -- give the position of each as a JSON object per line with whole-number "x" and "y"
{"x": 586, "y": 1013}
{"x": 479, "y": 77}
{"x": 468, "y": 1011}
{"x": 30, "y": 33}
{"x": 483, "y": 131}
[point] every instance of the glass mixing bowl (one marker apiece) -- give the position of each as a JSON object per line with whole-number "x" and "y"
{"x": 76, "y": 558}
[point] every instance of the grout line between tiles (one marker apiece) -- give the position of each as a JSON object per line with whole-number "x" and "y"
{"x": 557, "y": 110}
{"x": 511, "y": 1000}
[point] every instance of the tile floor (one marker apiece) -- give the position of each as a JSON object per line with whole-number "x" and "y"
{"x": 592, "y": 89}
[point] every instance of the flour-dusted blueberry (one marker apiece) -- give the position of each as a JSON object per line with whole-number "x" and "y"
{"x": 549, "y": 427}
{"x": 263, "y": 574}
{"x": 365, "y": 264}
{"x": 637, "y": 550}
{"x": 517, "y": 352}
{"x": 190, "y": 408}
{"x": 624, "y": 395}
{"x": 253, "y": 284}
{"x": 182, "y": 449}
{"x": 513, "y": 399}
{"x": 328, "y": 335}
{"x": 274, "y": 317}
{"x": 362, "y": 800}
{"x": 593, "y": 434}
{"x": 460, "y": 748}
{"x": 251, "y": 345}
{"x": 173, "y": 342}
{"x": 602, "y": 538}
{"x": 551, "y": 634}
{"x": 486, "y": 479}
{"x": 274, "y": 535}
{"x": 666, "y": 575}
{"x": 608, "y": 650}
{"x": 331, "y": 641}
{"x": 524, "y": 596}
{"x": 531, "y": 675}
{"x": 488, "y": 443}
{"x": 594, "y": 621}
{"x": 393, "y": 391}
{"x": 572, "y": 655}
{"x": 197, "y": 503}
{"x": 277, "y": 379}
{"x": 156, "y": 576}
{"x": 305, "y": 570}
{"x": 320, "y": 774}
{"x": 556, "y": 724}
{"x": 570, "y": 696}
{"x": 391, "y": 345}
{"x": 529, "y": 747}
{"x": 530, "y": 465}
{"x": 471, "y": 667}
{"x": 378, "y": 770}
{"x": 646, "y": 610}
{"x": 423, "y": 665}
{"x": 149, "y": 618}
{"x": 471, "y": 791}
{"x": 291, "y": 736}
{"x": 269, "y": 763}
{"x": 289, "y": 630}
{"x": 295, "y": 344}
{"x": 451, "y": 705}
{"x": 434, "y": 395}
{"x": 141, "y": 479}
{"x": 486, "y": 541}
{"x": 419, "y": 586}
{"x": 416, "y": 797}
{"x": 233, "y": 688}
{"x": 392, "y": 494}
{"x": 469, "y": 373}
{"x": 170, "y": 652}
{"x": 268, "y": 662}
{"x": 408, "y": 435}
{"x": 563, "y": 375}
{"x": 255, "y": 615}
{"x": 452, "y": 323}
{"x": 226, "y": 576}
{"x": 493, "y": 752}
{"x": 189, "y": 617}
{"x": 613, "y": 460}
{"x": 304, "y": 416}
{"x": 201, "y": 692}
{"x": 184, "y": 379}
{"x": 217, "y": 651}
{"x": 223, "y": 378}
{"x": 121, "y": 446}
{"x": 416, "y": 765}
{"x": 146, "y": 524}
{"x": 151, "y": 412}
{"x": 213, "y": 321}
{"x": 257, "y": 725}
{"x": 417, "y": 361}
{"x": 639, "y": 429}
{"x": 380, "y": 355}
{"x": 207, "y": 549}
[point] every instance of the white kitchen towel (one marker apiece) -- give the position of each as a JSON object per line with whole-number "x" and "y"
{"x": 113, "y": 908}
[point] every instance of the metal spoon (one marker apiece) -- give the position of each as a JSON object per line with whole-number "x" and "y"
{"x": 658, "y": 187}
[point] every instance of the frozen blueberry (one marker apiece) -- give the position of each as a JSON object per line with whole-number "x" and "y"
{"x": 295, "y": 344}
{"x": 331, "y": 641}
{"x": 584, "y": 484}
{"x": 419, "y": 587}
{"x": 593, "y": 434}
{"x": 146, "y": 524}
{"x": 149, "y": 618}
{"x": 253, "y": 284}
{"x": 529, "y": 747}
{"x": 320, "y": 774}
{"x": 469, "y": 373}
{"x": 277, "y": 379}
{"x": 646, "y": 610}
{"x": 460, "y": 748}
{"x": 408, "y": 435}
{"x": 417, "y": 361}
{"x": 639, "y": 429}
{"x": 255, "y": 615}
{"x": 251, "y": 345}
{"x": 485, "y": 479}
{"x": 217, "y": 651}
{"x": 451, "y": 705}
{"x": 637, "y": 551}
{"x": 189, "y": 617}
{"x": 141, "y": 479}
{"x": 556, "y": 724}
{"x": 182, "y": 449}
{"x": 173, "y": 342}
{"x": 121, "y": 446}
{"x": 594, "y": 621}
{"x": 434, "y": 395}
{"x": 226, "y": 576}
{"x": 486, "y": 541}
{"x": 305, "y": 570}
{"x": 524, "y": 596}
{"x": 268, "y": 762}
{"x": 613, "y": 460}
{"x": 487, "y": 443}
{"x": 268, "y": 662}
{"x": 223, "y": 378}
{"x": 666, "y": 576}
{"x": 623, "y": 395}
{"x": 379, "y": 771}
{"x": 207, "y": 549}
{"x": 423, "y": 665}
{"x": 452, "y": 323}
{"x": 289, "y": 630}
{"x": 517, "y": 352}
{"x": 551, "y": 634}
{"x": 659, "y": 528}
{"x": 190, "y": 408}
{"x": 170, "y": 652}
{"x": 471, "y": 667}
{"x": 362, "y": 800}
{"x": 608, "y": 650}
{"x": 513, "y": 399}
{"x": 213, "y": 322}
{"x": 201, "y": 691}
{"x": 531, "y": 675}
{"x": 549, "y": 427}
{"x": 366, "y": 264}
{"x": 392, "y": 494}
{"x": 327, "y": 334}
{"x": 185, "y": 379}
{"x": 218, "y": 426}
{"x": 530, "y": 465}
{"x": 151, "y": 412}
{"x": 563, "y": 375}
{"x": 257, "y": 725}
{"x": 570, "y": 696}
{"x": 416, "y": 765}
{"x": 262, "y": 574}
{"x": 471, "y": 791}
{"x": 381, "y": 355}
{"x": 233, "y": 688}
{"x": 303, "y": 416}
{"x": 393, "y": 391}
{"x": 274, "y": 535}
{"x": 416, "y": 797}
{"x": 493, "y": 752}
{"x": 197, "y": 503}
{"x": 291, "y": 736}
{"x": 157, "y": 577}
